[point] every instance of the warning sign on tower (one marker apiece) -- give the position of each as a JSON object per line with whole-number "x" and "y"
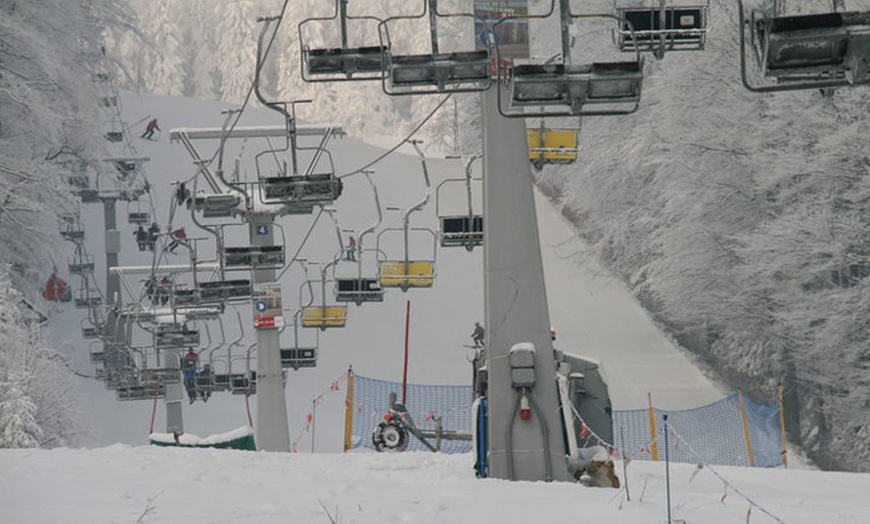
{"x": 268, "y": 309}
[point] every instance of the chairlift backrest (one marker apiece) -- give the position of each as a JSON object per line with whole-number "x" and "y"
{"x": 436, "y": 72}
{"x": 565, "y": 89}
{"x": 809, "y": 51}
{"x": 344, "y": 62}
{"x": 665, "y": 27}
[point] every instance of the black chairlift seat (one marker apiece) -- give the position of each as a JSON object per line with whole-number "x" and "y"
{"x": 73, "y": 231}
{"x": 685, "y": 28}
{"x": 446, "y": 71}
{"x": 88, "y": 196}
{"x": 126, "y": 167}
{"x": 185, "y": 297}
{"x": 222, "y": 382}
{"x": 81, "y": 265}
{"x": 140, "y": 392}
{"x": 176, "y": 338}
{"x": 98, "y": 357}
{"x": 358, "y": 290}
{"x": 222, "y": 290}
{"x": 462, "y": 231}
{"x": 298, "y": 357}
{"x": 138, "y": 218}
{"x": 215, "y": 205}
{"x": 87, "y": 302}
{"x": 79, "y": 181}
{"x": 309, "y": 190}
{"x": 114, "y": 136}
{"x": 348, "y": 62}
{"x": 160, "y": 376}
{"x": 242, "y": 383}
{"x": 826, "y": 46}
{"x": 205, "y": 383}
{"x": 254, "y": 257}
{"x": 121, "y": 377}
{"x": 91, "y": 332}
{"x": 573, "y": 86}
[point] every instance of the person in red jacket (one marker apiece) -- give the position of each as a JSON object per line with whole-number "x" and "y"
{"x": 150, "y": 128}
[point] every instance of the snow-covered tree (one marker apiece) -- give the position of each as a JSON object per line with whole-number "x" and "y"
{"x": 35, "y": 386}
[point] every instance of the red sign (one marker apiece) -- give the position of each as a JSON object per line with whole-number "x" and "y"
{"x": 264, "y": 322}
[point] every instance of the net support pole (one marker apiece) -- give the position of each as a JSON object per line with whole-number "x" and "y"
{"x": 745, "y": 427}
{"x": 348, "y": 412}
{"x": 407, "y": 332}
{"x": 654, "y": 447}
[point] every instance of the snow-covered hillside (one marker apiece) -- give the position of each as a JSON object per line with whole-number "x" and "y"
{"x": 153, "y": 485}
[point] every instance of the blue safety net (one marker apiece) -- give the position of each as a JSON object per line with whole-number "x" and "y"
{"x": 711, "y": 434}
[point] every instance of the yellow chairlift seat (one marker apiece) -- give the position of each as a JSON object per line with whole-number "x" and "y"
{"x": 552, "y": 146}
{"x": 414, "y": 273}
{"x": 324, "y": 316}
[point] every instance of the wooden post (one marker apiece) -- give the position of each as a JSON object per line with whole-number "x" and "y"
{"x": 348, "y": 413}
{"x": 746, "y": 428}
{"x": 654, "y": 448}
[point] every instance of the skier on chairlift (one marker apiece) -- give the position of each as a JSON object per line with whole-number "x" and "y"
{"x": 189, "y": 370}
{"x": 477, "y": 335}
{"x": 153, "y": 233}
{"x": 141, "y": 238}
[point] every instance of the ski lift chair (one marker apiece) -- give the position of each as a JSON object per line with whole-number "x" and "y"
{"x": 219, "y": 291}
{"x": 253, "y": 257}
{"x": 552, "y": 146}
{"x": 325, "y": 315}
{"x": 337, "y": 64}
{"x": 136, "y": 215}
{"x": 460, "y": 230}
{"x": 140, "y": 392}
{"x": 243, "y": 383}
{"x": 565, "y": 89}
{"x": 88, "y": 196}
{"x": 222, "y": 382}
{"x": 437, "y": 72}
{"x": 814, "y": 51}
{"x": 114, "y": 136}
{"x": 168, "y": 336}
{"x": 304, "y": 190}
{"x": 81, "y": 263}
{"x": 98, "y": 357}
{"x": 85, "y": 300}
{"x": 358, "y": 290}
{"x": 218, "y": 205}
{"x": 90, "y": 331}
{"x": 407, "y": 273}
{"x": 155, "y": 376}
{"x": 72, "y": 229}
{"x": 298, "y": 358}
{"x": 667, "y": 26}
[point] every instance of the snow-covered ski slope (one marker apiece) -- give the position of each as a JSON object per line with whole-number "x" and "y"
{"x": 593, "y": 313}
{"x": 207, "y": 486}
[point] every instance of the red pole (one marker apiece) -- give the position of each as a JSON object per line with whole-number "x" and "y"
{"x": 407, "y": 331}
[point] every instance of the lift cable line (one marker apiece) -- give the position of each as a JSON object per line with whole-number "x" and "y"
{"x": 404, "y": 141}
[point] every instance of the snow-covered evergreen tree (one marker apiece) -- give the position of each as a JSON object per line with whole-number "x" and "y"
{"x": 35, "y": 403}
